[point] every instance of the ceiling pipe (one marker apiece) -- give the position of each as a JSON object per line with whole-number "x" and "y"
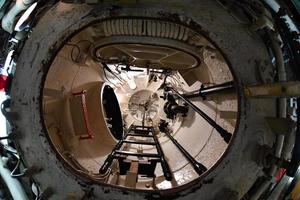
{"x": 8, "y": 20}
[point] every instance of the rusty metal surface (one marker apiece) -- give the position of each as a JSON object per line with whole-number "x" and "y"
{"x": 235, "y": 171}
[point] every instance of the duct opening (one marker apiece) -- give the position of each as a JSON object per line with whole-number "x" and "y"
{"x": 142, "y": 133}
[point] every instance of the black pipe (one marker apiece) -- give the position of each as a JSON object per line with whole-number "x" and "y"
{"x": 212, "y": 90}
{"x": 224, "y": 134}
{"x": 164, "y": 164}
{"x": 199, "y": 168}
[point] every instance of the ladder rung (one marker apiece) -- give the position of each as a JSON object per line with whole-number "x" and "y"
{"x": 146, "y": 127}
{"x": 128, "y": 153}
{"x": 139, "y": 135}
{"x": 140, "y": 128}
{"x": 139, "y": 142}
{"x": 142, "y": 132}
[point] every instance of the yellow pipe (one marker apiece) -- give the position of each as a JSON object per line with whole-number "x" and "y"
{"x": 296, "y": 192}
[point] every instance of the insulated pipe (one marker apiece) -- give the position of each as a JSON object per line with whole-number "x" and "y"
{"x": 204, "y": 92}
{"x": 275, "y": 45}
{"x": 282, "y": 101}
{"x": 16, "y": 190}
{"x": 9, "y": 19}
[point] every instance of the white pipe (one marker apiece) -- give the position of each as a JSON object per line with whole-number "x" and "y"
{"x": 275, "y": 45}
{"x": 9, "y": 19}
{"x": 24, "y": 17}
{"x": 16, "y": 190}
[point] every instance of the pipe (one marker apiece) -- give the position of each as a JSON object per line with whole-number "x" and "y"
{"x": 164, "y": 163}
{"x": 16, "y": 190}
{"x": 9, "y": 19}
{"x": 223, "y": 133}
{"x": 204, "y": 92}
{"x": 287, "y": 23}
{"x": 198, "y": 167}
{"x": 275, "y": 45}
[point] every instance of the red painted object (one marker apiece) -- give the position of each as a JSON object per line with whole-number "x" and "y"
{"x": 3, "y": 81}
{"x": 85, "y": 114}
{"x": 280, "y": 174}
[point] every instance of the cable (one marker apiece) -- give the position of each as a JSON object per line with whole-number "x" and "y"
{"x": 81, "y": 168}
{"x": 111, "y": 61}
{"x": 15, "y": 169}
{"x": 77, "y": 46}
{"x": 72, "y": 51}
{"x": 15, "y": 154}
{"x": 105, "y": 67}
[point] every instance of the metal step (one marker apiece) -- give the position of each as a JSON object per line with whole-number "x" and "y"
{"x": 139, "y": 135}
{"x": 147, "y": 169}
{"x": 129, "y": 153}
{"x": 139, "y": 142}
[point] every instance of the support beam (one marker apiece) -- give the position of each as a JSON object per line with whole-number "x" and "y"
{"x": 164, "y": 163}
{"x": 218, "y": 89}
{"x": 274, "y": 90}
{"x": 223, "y": 133}
{"x": 110, "y": 158}
{"x": 198, "y": 167}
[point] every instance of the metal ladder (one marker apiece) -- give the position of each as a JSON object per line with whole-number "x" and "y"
{"x": 142, "y": 168}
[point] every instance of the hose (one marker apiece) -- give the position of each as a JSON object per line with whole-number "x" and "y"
{"x": 14, "y": 186}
